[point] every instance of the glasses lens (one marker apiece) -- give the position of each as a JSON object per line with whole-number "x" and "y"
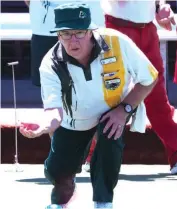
{"x": 66, "y": 36}
{"x": 80, "y": 34}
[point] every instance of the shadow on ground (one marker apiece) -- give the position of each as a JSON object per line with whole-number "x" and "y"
{"x": 45, "y": 181}
{"x": 125, "y": 177}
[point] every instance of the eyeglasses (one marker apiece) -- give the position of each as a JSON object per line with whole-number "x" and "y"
{"x": 67, "y": 35}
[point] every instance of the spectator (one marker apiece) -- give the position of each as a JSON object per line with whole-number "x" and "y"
{"x": 134, "y": 18}
{"x": 42, "y": 20}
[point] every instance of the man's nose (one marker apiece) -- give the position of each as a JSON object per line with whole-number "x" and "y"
{"x": 73, "y": 37}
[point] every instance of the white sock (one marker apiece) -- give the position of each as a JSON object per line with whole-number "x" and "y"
{"x": 103, "y": 205}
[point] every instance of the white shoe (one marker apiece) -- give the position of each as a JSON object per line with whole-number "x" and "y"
{"x": 54, "y": 206}
{"x": 86, "y": 167}
{"x": 102, "y": 205}
{"x": 174, "y": 169}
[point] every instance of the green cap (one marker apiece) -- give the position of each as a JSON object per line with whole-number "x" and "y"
{"x": 74, "y": 16}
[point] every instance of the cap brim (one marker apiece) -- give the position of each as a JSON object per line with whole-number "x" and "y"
{"x": 92, "y": 26}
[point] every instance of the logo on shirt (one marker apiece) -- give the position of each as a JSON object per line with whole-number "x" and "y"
{"x": 112, "y": 84}
{"x": 108, "y": 60}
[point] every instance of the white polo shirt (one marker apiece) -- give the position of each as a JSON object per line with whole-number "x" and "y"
{"x": 139, "y": 11}
{"x": 88, "y": 96}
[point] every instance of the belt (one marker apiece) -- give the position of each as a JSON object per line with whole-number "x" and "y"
{"x": 124, "y": 23}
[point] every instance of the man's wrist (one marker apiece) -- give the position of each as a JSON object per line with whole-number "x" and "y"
{"x": 51, "y": 126}
{"x": 128, "y": 108}
{"x": 47, "y": 130}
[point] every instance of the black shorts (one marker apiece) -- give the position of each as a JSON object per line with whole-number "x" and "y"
{"x": 40, "y": 45}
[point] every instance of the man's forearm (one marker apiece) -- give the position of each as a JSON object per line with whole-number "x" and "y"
{"x": 138, "y": 94}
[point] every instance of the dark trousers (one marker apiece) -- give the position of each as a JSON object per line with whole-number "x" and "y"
{"x": 105, "y": 165}
{"x": 67, "y": 154}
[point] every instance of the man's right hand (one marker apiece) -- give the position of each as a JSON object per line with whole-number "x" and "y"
{"x": 32, "y": 130}
{"x": 44, "y": 124}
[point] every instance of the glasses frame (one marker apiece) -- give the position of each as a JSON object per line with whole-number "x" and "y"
{"x": 72, "y": 34}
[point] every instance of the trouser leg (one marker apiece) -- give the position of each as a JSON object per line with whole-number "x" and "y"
{"x": 105, "y": 166}
{"x": 65, "y": 157}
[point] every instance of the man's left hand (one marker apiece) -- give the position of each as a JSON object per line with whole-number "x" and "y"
{"x": 116, "y": 121}
{"x": 165, "y": 17}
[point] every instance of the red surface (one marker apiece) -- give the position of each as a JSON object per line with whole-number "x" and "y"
{"x": 140, "y": 148}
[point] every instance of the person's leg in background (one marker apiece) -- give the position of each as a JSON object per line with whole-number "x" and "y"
{"x": 65, "y": 158}
{"x": 40, "y": 45}
{"x": 159, "y": 111}
{"x": 90, "y": 151}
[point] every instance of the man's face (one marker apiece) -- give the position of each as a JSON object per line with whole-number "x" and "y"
{"x": 76, "y": 42}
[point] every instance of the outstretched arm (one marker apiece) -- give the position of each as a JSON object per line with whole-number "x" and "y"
{"x": 52, "y": 102}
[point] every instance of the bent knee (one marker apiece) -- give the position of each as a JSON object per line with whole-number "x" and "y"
{"x": 64, "y": 187}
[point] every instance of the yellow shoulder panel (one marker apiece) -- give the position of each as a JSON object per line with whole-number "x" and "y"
{"x": 113, "y": 69}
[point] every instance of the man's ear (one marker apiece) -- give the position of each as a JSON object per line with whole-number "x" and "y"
{"x": 59, "y": 38}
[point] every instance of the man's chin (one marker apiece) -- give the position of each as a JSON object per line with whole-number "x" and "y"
{"x": 76, "y": 55}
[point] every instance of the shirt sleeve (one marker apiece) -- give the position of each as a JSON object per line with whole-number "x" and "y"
{"x": 50, "y": 85}
{"x": 138, "y": 65}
